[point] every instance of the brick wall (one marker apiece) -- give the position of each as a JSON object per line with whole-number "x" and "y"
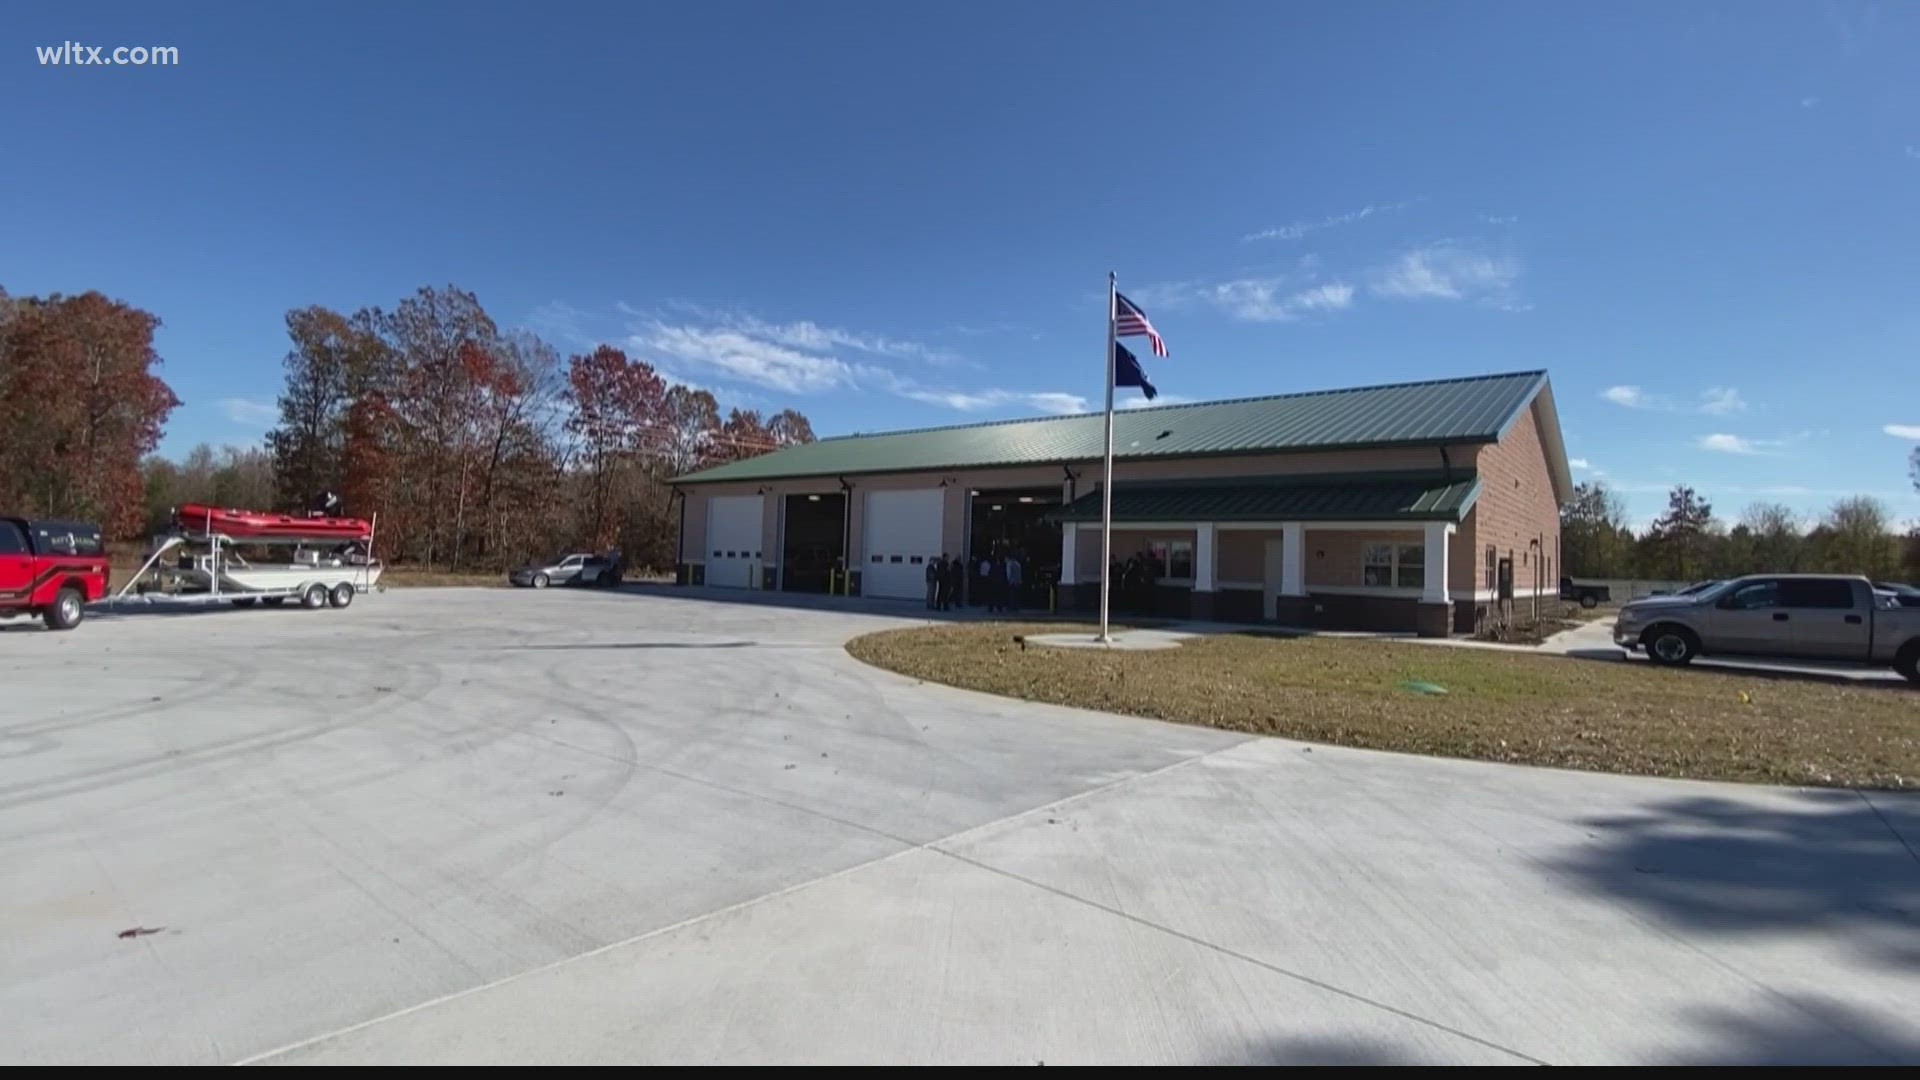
{"x": 1333, "y": 556}
{"x": 1242, "y": 554}
{"x": 1516, "y": 506}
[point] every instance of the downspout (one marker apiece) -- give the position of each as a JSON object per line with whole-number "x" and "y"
{"x": 1446, "y": 464}
{"x": 680, "y": 568}
{"x": 846, "y": 538}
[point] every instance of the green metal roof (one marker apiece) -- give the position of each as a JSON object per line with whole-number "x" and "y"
{"x": 1322, "y": 497}
{"x": 1477, "y": 409}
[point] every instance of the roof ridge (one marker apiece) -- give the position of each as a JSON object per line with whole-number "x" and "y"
{"x": 1488, "y": 377}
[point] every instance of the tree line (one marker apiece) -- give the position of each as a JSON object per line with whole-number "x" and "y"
{"x": 476, "y": 446}
{"x": 1689, "y": 542}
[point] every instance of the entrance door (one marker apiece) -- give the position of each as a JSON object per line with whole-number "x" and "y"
{"x": 733, "y": 540}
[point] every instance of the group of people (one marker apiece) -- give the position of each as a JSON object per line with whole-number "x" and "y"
{"x": 1000, "y": 576}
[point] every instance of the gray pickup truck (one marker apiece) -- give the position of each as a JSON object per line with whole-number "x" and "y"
{"x": 1802, "y": 616}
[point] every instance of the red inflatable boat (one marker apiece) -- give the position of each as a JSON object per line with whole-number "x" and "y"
{"x": 195, "y": 519}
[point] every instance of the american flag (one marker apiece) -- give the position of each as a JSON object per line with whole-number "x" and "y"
{"x": 1130, "y": 321}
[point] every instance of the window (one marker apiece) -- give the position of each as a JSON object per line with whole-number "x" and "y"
{"x": 11, "y": 542}
{"x": 1171, "y": 560}
{"x": 1492, "y": 557}
{"x": 1816, "y": 593}
{"x": 1759, "y": 594}
{"x": 1393, "y": 566}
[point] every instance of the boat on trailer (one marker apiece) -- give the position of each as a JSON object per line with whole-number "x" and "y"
{"x": 201, "y": 519}
{"x": 330, "y": 561}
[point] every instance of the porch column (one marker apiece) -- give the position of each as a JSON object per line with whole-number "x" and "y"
{"x": 1203, "y": 587}
{"x": 1293, "y": 559}
{"x": 1435, "y": 591}
{"x": 1290, "y": 604}
{"x": 1434, "y": 617}
{"x": 1069, "y": 547}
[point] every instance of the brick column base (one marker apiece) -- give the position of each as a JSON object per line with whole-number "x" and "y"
{"x": 1433, "y": 620}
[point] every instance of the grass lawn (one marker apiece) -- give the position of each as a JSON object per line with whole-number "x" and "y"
{"x": 407, "y": 577}
{"x": 1537, "y": 710}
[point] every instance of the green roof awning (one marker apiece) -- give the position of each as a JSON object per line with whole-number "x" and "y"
{"x": 1384, "y": 497}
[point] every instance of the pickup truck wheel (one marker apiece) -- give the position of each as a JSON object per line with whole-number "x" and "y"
{"x": 1589, "y": 601}
{"x": 1671, "y": 646}
{"x": 1907, "y": 662}
{"x": 314, "y": 597}
{"x": 66, "y": 611}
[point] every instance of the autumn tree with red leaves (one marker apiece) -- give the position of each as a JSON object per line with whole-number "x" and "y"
{"x": 619, "y": 425}
{"x": 80, "y": 406}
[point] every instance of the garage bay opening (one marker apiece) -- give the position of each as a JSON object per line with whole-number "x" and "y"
{"x": 810, "y": 554}
{"x": 1009, "y": 522}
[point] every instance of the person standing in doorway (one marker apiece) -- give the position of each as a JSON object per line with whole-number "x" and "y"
{"x": 956, "y": 581}
{"x": 933, "y": 582}
{"x": 985, "y": 574}
{"x": 1010, "y": 569}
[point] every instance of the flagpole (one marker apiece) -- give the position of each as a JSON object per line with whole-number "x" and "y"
{"x": 1106, "y": 487}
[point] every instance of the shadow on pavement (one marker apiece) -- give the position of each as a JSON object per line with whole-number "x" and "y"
{"x": 1801, "y": 1030}
{"x": 1835, "y": 862}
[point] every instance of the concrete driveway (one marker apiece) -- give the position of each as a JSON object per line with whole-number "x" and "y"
{"x": 488, "y": 826}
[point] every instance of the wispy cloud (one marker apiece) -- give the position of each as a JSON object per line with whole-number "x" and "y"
{"x": 1499, "y": 219}
{"x": 1720, "y": 401}
{"x": 1913, "y": 152}
{"x": 249, "y": 412}
{"x": 1449, "y": 271}
{"x": 1265, "y": 301}
{"x": 1631, "y": 397}
{"x": 689, "y": 341}
{"x": 1809, "y": 102}
{"x": 736, "y": 355}
{"x": 1903, "y": 431}
{"x": 977, "y": 400}
{"x": 1729, "y": 444}
{"x": 1579, "y": 463}
{"x": 1297, "y": 229}
{"x": 1277, "y": 298}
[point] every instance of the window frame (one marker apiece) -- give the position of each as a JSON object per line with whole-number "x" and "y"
{"x": 1160, "y": 555}
{"x": 1726, "y": 603}
{"x": 1397, "y": 564}
{"x": 22, "y": 547}
{"x": 1790, "y": 587}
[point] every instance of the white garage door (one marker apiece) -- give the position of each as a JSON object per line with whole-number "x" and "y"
{"x": 733, "y": 539}
{"x": 903, "y": 536}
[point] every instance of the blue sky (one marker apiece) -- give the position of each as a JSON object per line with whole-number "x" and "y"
{"x": 1703, "y": 220}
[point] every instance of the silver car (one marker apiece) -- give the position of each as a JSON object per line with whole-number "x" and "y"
{"x": 561, "y": 570}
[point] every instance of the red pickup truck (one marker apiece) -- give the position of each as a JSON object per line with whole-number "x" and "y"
{"x": 52, "y": 569}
